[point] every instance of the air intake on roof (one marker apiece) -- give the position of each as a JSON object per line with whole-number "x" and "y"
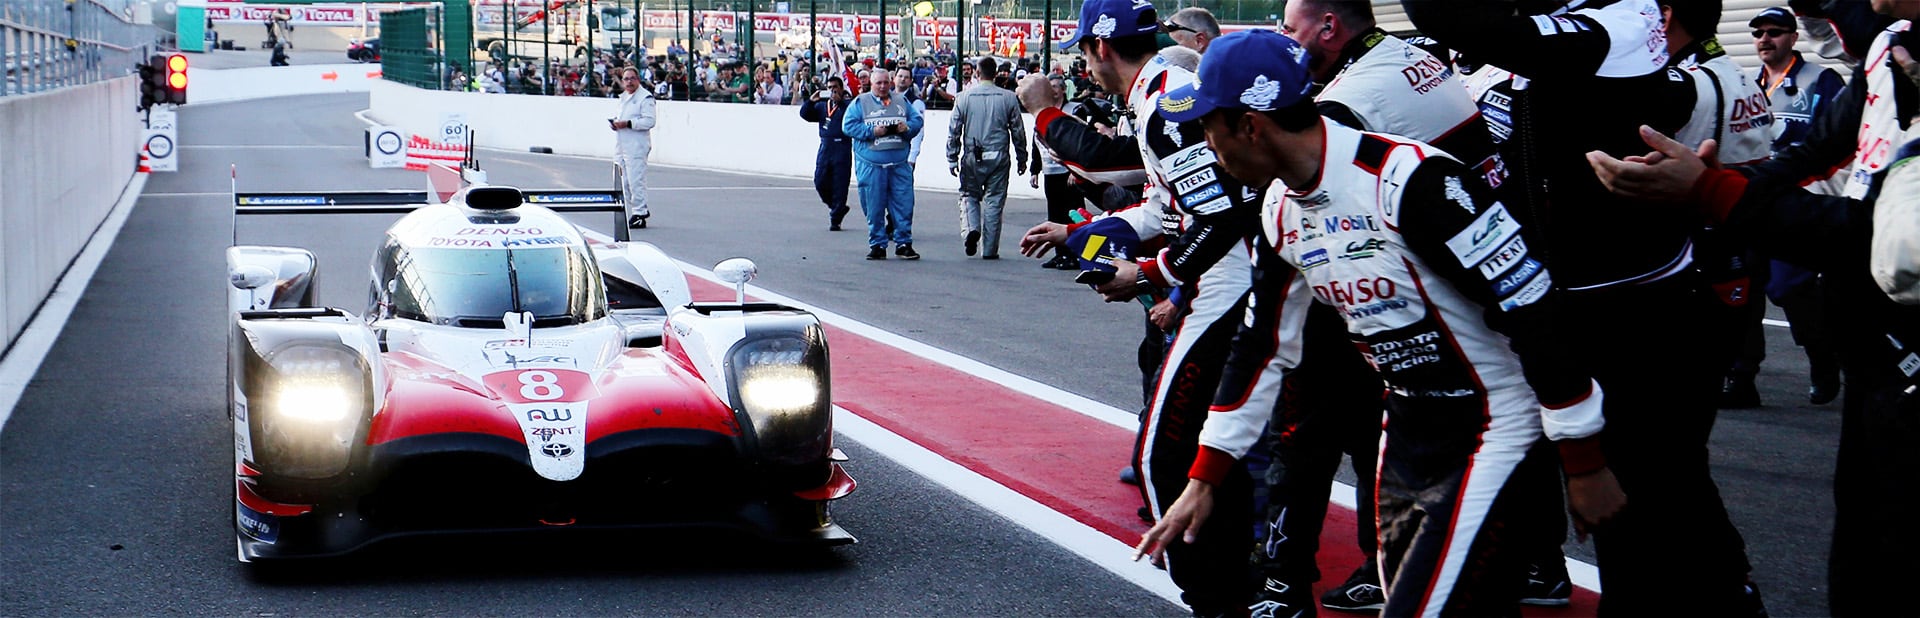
{"x": 493, "y": 198}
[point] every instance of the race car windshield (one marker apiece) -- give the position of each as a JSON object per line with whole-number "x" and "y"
{"x": 475, "y": 287}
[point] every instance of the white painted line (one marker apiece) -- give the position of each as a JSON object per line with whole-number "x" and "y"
{"x": 20, "y": 364}
{"x": 1079, "y": 538}
{"x": 1773, "y": 322}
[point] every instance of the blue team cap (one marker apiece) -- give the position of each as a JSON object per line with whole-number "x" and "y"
{"x": 1779, "y": 16}
{"x": 1099, "y": 243}
{"x": 1251, "y": 69}
{"x": 1106, "y": 19}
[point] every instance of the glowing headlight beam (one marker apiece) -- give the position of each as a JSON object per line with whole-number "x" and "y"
{"x": 317, "y": 401}
{"x": 780, "y": 390}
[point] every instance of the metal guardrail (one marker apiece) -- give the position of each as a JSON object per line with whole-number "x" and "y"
{"x": 49, "y": 44}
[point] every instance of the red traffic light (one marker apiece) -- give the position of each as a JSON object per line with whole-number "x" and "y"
{"x": 176, "y": 79}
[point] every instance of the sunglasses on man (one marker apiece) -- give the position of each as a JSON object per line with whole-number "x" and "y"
{"x": 1773, "y": 32}
{"x": 1170, "y": 27}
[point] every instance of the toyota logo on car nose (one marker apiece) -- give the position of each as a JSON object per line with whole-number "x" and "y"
{"x": 557, "y": 450}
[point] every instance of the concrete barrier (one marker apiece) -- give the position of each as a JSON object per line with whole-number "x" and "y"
{"x": 759, "y": 139}
{"x": 220, "y": 85}
{"x": 69, "y": 154}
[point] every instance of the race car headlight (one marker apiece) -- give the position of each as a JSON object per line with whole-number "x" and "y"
{"x": 782, "y": 386}
{"x": 312, "y": 410}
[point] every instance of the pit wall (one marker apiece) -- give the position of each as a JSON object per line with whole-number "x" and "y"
{"x": 757, "y": 139}
{"x": 69, "y": 155}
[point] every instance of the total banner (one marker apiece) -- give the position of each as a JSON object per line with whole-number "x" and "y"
{"x": 299, "y": 15}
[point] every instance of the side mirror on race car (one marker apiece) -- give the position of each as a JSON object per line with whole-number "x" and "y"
{"x": 269, "y": 278}
{"x": 251, "y": 276}
{"x": 737, "y": 271}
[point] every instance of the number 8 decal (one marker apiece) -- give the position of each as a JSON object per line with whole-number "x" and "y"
{"x": 540, "y": 385}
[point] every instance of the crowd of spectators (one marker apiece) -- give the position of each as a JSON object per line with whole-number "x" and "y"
{"x": 785, "y": 78}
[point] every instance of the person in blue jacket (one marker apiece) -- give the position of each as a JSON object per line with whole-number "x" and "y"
{"x": 833, "y": 165}
{"x": 882, "y": 125}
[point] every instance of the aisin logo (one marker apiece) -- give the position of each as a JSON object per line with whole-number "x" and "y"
{"x": 1261, "y": 94}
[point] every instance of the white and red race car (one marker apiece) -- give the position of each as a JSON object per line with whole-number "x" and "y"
{"x": 510, "y": 373}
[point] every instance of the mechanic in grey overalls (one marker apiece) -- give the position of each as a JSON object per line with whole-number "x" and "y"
{"x": 986, "y": 124}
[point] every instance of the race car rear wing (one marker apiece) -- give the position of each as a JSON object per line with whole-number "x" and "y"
{"x": 402, "y": 202}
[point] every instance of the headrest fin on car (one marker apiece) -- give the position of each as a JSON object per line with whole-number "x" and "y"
{"x": 493, "y": 198}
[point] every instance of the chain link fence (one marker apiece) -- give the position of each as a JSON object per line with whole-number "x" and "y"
{"x": 49, "y": 44}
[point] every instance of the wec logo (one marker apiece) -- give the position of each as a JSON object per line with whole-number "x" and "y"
{"x": 1190, "y": 158}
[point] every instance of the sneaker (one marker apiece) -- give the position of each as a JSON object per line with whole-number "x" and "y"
{"x": 1821, "y": 394}
{"x": 1751, "y": 605}
{"x": 879, "y": 252}
{"x": 835, "y": 216}
{"x": 1129, "y": 476}
{"x": 972, "y": 241}
{"x": 990, "y": 257}
{"x": 906, "y": 252}
{"x": 1279, "y": 600}
{"x": 1739, "y": 394}
{"x": 1547, "y": 588}
{"x": 637, "y": 222}
{"x": 1360, "y": 593}
{"x": 1826, "y": 384}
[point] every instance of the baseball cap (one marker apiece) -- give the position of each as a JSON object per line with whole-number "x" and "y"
{"x": 1250, "y": 69}
{"x": 1778, "y": 16}
{"x": 1106, "y": 19}
{"x": 1099, "y": 243}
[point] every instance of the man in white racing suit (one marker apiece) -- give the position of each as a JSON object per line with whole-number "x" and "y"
{"x": 1202, "y": 217}
{"x": 633, "y": 140}
{"x": 1436, "y": 285}
{"x": 1372, "y": 81}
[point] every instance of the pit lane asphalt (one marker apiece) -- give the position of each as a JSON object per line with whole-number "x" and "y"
{"x": 115, "y": 461}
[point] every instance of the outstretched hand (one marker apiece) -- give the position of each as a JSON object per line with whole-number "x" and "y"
{"x": 1666, "y": 174}
{"x": 1181, "y": 521}
{"x": 1043, "y": 238}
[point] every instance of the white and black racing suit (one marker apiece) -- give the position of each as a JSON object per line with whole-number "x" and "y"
{"x": 1203, "y": 218}
{"x": 1331, "y": 403}
{"x": 1438, "y": 288}
{"x": 1586, "y": 79}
